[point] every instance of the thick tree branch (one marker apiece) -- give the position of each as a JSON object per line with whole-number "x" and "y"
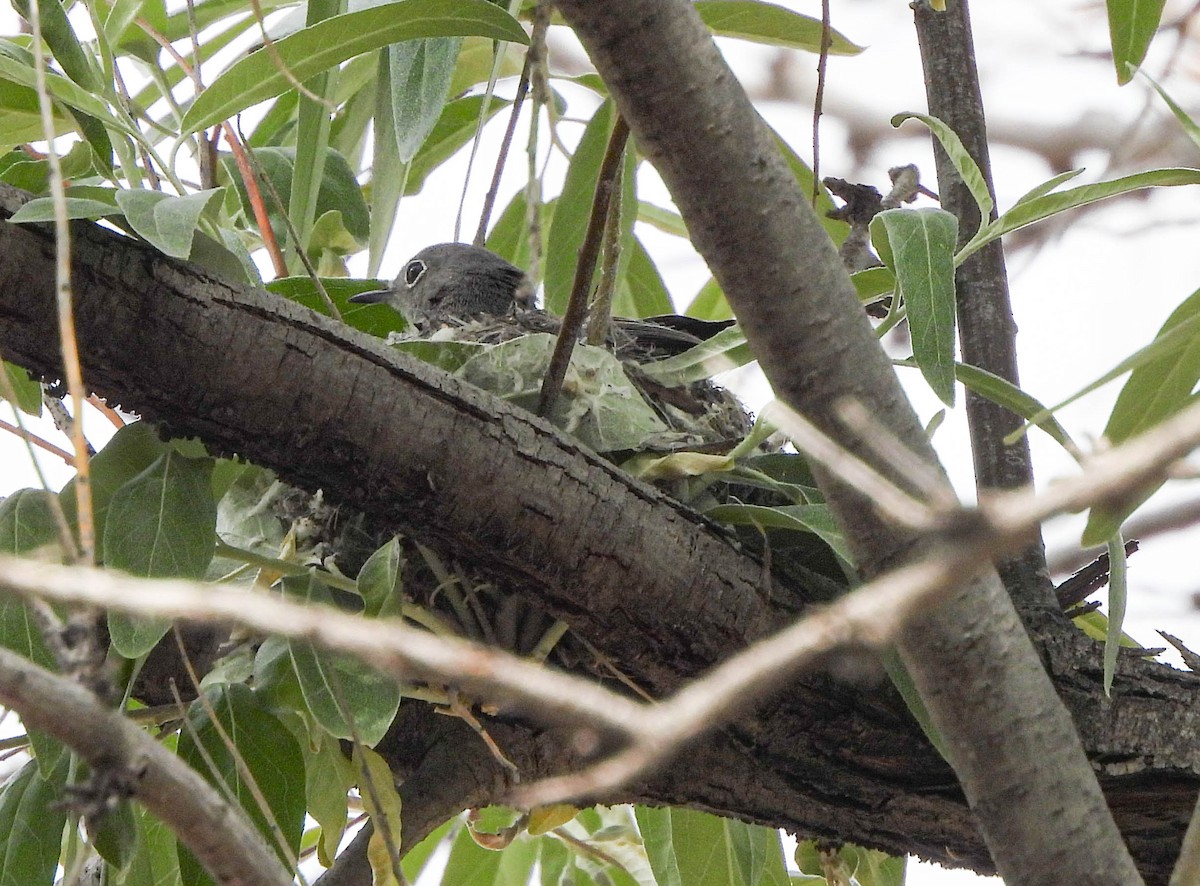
{"x": 1011, "y": 742}
{"x": 224, "y": 841}
{"x": 158, "y": 341}
{"x": 987, "y": 332}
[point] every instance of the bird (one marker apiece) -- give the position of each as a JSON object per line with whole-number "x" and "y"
{"x": 460, "y": 292}
{"x": 452, "y": 285}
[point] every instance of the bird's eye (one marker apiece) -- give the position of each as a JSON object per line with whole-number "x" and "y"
{"x": 414, "y": 271}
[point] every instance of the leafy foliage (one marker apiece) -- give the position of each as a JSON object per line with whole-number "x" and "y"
{"x": 418, "y": 79}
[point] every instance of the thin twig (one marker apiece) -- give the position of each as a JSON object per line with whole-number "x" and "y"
{"x": 576, "y": 311}
{"x": 85, "y": 519}
{"x": 34, "y": 439}
{"x": 489, "y": 200}
{"x": 819, "y": 98}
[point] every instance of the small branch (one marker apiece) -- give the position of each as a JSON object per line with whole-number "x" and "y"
{"x": 489, "y": 200}
{"x": 870, "y": 617}
{"x": 37, "y": 441}
{"x": 588, "y": 253}
{"x": 228, "y": 846}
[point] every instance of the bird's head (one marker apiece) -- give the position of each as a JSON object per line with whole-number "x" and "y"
{"x": 453, "y": 282}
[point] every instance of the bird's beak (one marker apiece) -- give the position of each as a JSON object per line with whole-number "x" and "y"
{"x": 374, "y": 297}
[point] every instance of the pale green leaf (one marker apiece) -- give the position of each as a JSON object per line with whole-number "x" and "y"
{"x": 160, "y": 523}
{"x": 27, "y": 392}
{"x": 922, "y": 243}
{"x": 701, "y": 361}
{"x": 65, "y": 91}
{"x": 1132, "y": 24}
{"x": 166, "y": 221}
{"x": 41, "y": 209}
{"x": 1165, "y": 374}
{"x": 571, "y": 215}
{"x": 381, "y": 581}
{"x": 968, "y": 170}
{"x": 817, "y": 519}
{"x": 266, "y": 750}
{"x": 1185, "y": 120}
{"x": 331, "y": 42}
{"x": 773, "y": 25}
{"x": 32, "y": 817}
{"x": 1035, "y": 210}
{"x": 691, "y": 848}
{"x": 338, "y": 687}
{"x": 710, "y": 303}
{"x": 420, "y": 72}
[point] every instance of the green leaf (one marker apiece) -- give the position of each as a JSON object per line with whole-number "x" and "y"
{"x": 27, "y": 524}
{"x": 1188, "y": 124}
{"x": 333, "y": 41}
{"x": 666, "y": 220}
{"x": 155, "y": 861}
{"x": 968, "y": 170}
{"x": 381, "y": 581}
{"x": 642, "y": 292}
{"x": 867, "y": 867}
{"x": 770, "y": 24}
{"x": 1132, "y": 25}
{"x": 815, "y": 519}
{"x": 388, "y": 174}
{"x": 120, "y": 16}
{"x": 377, "y": 320}
{"x": 28, "y": 854}
{"x": 574, "y": 207}
{"x": 65, "y": 91}
{"x": 335, "y": 686}
{"x": 420, "y": 72}
{"x": 328, "y": 777}
{"x": 690, "y": 848}
{"x": 1008, "y": 395}
{"x": 456, "y": 126}
{"x": 723, "y": 351}
{"x": 709, "y": 303}
{"x": 131, "y": 450}
{"x": 922, "y": 242}
{"x": 27, "y": 521}
{"x": 267, "y": 750}
{"x": 339, "y": 191}
{"x": 60, "y": 37}
{"x": 1035, "y": 210}
{"x": 116, "y": 837}
{"x": 873, "y": 283}
{"x": 1047, "y": 186}
{"x": 1166, "y": 373}
{"x": 166, "y": 221}
{"x": 42, "y": 209}
{"x": 21, "y": 117}
{"x": 161, "y": 523}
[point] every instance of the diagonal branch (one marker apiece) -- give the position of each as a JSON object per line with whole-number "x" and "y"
{"x": 223, "y": 840}
{"x": 1011, "y": 742}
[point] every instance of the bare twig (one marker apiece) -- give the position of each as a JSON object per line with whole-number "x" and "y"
{"x": 870, "y": 617}
{"x": 66, "y": 316}
{"x": 577, "y": 306}
{"x": 226, "y": 844}
{"x": 489, "y": 199}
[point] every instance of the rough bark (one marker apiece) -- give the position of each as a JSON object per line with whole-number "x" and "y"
{"x": 986, "y": 329}
{"x": 251, "y": 373}
{"x": 1010, "y": 740}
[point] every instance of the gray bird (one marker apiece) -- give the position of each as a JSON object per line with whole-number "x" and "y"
{"x": 452, "y": 284}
